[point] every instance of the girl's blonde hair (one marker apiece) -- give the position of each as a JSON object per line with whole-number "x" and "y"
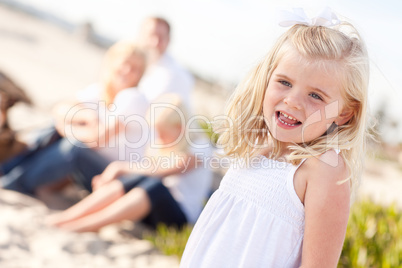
{"x": 119, "y": 51}
{"x": 246, "y": 130}
{"x": 169, "y": 110}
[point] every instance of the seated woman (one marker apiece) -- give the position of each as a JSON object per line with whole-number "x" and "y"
{"x": 103, "y": 125}
{"x": 107, "y": 116}
{"x": 169, "y": 185}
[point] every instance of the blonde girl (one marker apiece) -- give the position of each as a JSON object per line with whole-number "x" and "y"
{"x": 299, "y": 119}
{"x": 169, "y": 185}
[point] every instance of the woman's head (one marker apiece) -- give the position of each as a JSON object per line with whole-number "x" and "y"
{"x": 124, "y": 65}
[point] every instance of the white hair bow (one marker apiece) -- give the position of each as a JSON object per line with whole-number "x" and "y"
{"x": 325, "y": 18}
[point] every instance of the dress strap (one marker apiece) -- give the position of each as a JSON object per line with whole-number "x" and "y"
{"x": 291, "y": 189}
{"x": 301, "y": 162}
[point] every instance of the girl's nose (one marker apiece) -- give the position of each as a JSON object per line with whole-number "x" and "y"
{"x": 293, "y": 101}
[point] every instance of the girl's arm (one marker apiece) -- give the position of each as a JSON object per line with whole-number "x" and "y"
{"x": 326, "y": 210}
{"x": 156, "y": 167}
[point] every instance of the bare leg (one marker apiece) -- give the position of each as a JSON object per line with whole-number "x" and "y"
{"x": 94, "y": 202}
{"x": 135, "y": 205}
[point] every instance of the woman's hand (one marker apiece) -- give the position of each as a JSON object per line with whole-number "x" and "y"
{"x": 111, "y": 172}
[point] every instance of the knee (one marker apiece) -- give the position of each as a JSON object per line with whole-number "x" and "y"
{"x": 116, "y": 186}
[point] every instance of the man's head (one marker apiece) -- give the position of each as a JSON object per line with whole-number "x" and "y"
{"x": 155, "y": 37}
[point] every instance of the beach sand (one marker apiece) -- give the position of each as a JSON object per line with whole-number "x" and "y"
{"x": 25, "y": 241}
{"x": 52, "y": 64}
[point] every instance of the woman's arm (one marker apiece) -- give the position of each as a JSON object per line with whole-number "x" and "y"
{"x": 326, "y": 210}
{"x": 73, "y": 118}
{"x": 79, "y": 122}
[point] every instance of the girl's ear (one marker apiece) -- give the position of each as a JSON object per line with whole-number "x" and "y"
{"x": 344, "y": 117}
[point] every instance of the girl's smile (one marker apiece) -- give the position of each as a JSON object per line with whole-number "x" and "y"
{"x": 286, "y": 121}
{"x": 303, "y": 99}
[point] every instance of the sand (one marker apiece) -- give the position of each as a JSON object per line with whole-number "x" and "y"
{"x": 25, "y": 241}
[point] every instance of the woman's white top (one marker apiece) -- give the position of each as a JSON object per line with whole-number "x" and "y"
{"x": 129, "y": 107}
{"x": 254, "y": 219}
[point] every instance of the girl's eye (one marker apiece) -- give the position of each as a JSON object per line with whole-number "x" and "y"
{"x": 315, "y": 96}
{"x": 285, "y": 83}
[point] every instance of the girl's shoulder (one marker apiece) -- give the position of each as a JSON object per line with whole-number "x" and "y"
{"x": 322, "y": 179}
{"x": 326, "y": 173}
{"x": 329, "y": 166}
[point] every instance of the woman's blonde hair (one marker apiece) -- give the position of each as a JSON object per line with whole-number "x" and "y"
{"x": 119, "y": 51}
{"x": 246, "y": 130}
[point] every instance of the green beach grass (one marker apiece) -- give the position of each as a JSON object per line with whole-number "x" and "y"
{"x": 373, "y": 238}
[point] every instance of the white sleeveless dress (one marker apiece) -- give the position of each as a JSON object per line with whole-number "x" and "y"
{"x": 254, "y": 219}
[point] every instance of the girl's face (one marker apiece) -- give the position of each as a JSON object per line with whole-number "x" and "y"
{"x": 303, "y": 99}
{"x": 127, "y": 72}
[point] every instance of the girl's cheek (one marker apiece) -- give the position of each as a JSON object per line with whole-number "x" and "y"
{"x": 275, "y": 94}
{"x": 316, "y": 115}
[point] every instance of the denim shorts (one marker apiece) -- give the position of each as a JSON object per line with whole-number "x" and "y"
{"x": 164, "y": 208}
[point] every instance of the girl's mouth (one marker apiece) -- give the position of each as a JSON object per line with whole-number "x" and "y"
{"x": 286, "y": 121}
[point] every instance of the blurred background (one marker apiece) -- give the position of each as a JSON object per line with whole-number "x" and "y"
{"x": 55, "y": 48}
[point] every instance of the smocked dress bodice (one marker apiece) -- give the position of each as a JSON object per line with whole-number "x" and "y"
{"x": 254, "y": 219}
